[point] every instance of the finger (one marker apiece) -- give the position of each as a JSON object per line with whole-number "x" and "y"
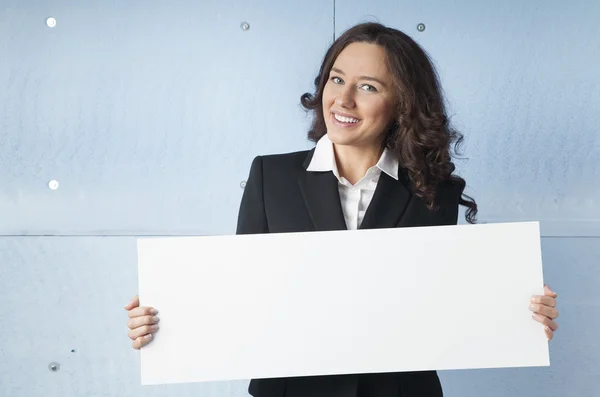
{"x": 547, "y": 311}
{"x": 544, "y": 300}
{"x": 545, "y": 321}
{"x": 142, "y": 311}
{"x": 142, "y": 331}
{"x": 135, "y": 302}
{"x": 549, "y": 333}
{"x": 141, "y": 341}
{"x": 137, "y": 322}
{"x": 549, "y": 292}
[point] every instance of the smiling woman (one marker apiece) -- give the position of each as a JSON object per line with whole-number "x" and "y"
{"x": 358, "y": 104}
{"x": 382, "y": 159}
{"x": 388, "y": 78}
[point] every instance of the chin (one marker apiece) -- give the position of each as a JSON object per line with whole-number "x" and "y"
{"x": 344, "y": 138}
{"x": 339, "y": 137}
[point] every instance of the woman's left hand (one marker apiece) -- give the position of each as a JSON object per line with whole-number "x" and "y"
{"x": 544, "y": 310}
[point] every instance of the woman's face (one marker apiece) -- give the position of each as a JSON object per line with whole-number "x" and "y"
{"x": 359, "y": 98}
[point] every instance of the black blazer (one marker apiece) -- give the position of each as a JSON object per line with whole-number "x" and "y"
{"x": 281, "y": 196}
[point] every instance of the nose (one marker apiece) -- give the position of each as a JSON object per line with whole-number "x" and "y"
{"x": 345, "y": 98}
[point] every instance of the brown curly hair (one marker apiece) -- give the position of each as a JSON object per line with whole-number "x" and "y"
{"x": 420, "y": 136}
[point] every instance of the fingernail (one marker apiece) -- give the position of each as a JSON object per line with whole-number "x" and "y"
{"x": 155, "y": 319}
{"x": 153, "y": 311}
{"x": 532, "y": 298}
{"x": 149, "y": 336}
{"x": 532, "y": 307}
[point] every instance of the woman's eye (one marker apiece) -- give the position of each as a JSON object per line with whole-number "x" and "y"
{"x": 370, "y": 88}
{"x": 337, "y": 80}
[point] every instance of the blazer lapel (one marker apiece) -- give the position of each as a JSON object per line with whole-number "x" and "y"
{"x": 322, "y": 198}
{"x": 389, "y": 202}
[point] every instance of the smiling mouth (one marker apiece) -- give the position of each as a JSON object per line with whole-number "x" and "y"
{"x": 343, "y": 120}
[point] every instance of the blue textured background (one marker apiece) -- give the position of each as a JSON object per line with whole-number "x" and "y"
{"x": 148, "y": 114}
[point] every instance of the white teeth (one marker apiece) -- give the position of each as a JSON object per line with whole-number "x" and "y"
{"x": 345, "y": 119}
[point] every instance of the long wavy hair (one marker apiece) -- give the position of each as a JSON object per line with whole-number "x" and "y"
{"x": 420, "y": 135}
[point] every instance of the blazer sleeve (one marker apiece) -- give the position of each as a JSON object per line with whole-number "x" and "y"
{"x": 452, "y": 191}
{"x": 252, "y": 218}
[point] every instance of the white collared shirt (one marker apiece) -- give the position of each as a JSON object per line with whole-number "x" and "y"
{"x": 355, "y": 199}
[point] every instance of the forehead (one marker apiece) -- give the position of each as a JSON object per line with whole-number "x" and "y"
{"x": 363, "y": 59}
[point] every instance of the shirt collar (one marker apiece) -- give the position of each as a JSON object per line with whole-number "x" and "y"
{"x": 323, "y": 159}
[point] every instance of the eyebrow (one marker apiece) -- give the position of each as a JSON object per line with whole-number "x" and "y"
{"x": 361, "y": 77}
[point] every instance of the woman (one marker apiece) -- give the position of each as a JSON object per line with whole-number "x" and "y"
{"x": 382, "y": 159}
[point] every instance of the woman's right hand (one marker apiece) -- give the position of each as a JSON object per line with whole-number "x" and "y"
{"x": 142, "y": 322}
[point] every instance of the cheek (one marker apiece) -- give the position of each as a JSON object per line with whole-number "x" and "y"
{"x": 388, "y": 113}
{"x": 327, "y": 96}
{"x": 378, "y": 110}
{"x": 387, "y": 109}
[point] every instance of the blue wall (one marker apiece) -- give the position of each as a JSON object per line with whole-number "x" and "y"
{"x": 148, "y": 114}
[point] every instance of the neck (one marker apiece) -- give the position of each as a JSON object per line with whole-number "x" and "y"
{"x": 353, "y": 162}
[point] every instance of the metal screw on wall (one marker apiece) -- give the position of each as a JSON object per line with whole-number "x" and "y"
{"x": 53, "y": 184}
{"x": 243, "y": 184}
{"x": 421, "y": 27}
{"x": 245, "y": 26}
{"x": 54, "y": 367}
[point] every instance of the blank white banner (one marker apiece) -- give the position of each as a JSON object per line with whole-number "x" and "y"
{"x": 320, "y": 303}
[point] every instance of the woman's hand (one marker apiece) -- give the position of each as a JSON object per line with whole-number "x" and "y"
{"x": 142, "y": 322}
{"x": 544, "y": 310}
